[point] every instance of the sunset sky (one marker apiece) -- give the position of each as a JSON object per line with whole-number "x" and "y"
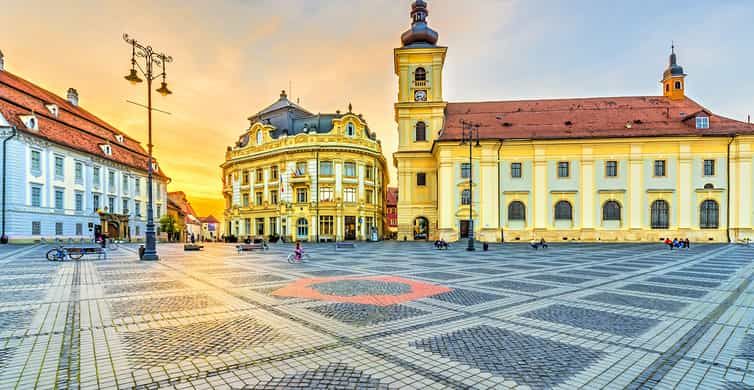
{"x": 232, "y": 58}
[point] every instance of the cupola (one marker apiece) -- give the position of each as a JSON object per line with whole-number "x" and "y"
{"x": 673, "y": 79}
{"x": 420, "y": 34}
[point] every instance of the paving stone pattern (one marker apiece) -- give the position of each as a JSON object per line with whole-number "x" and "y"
{"x": 576, "y": 315}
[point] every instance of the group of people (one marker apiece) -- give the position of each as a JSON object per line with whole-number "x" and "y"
{"x": 676, "y": 243}
{"x": 441, "y": 244}
{"x": 541, "y": 244}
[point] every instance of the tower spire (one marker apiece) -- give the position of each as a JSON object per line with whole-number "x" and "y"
{"x": 420, "y": 33}
{"x": 673, "y": 78}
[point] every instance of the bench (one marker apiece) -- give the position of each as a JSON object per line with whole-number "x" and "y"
{"x": 344, "y": 245}
{"x": 250, "y": 247}
{"x": 193, "y": 247}
{"x": 89, "y": 250}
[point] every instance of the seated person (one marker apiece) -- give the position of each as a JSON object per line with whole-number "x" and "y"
{"x": 542, "y": 243}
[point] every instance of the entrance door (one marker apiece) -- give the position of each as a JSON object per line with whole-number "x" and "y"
{"x": 350, "y": 233}
{"x": 465, "y": 228}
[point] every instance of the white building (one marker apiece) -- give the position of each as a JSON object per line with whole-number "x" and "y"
{"x": 67, "y": 173}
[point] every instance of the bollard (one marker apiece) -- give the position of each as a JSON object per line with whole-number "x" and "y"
{"x": 141, "y": 252}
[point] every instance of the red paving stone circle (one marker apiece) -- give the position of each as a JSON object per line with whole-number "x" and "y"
{"x": 302, "y": 288}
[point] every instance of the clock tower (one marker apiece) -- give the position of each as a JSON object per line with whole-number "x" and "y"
{"x": 419, "y": 113}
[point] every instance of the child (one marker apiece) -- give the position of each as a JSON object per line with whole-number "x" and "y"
{"x": 299, "y": 252}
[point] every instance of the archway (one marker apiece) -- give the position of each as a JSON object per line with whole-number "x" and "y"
{"x": 421, "y": 228}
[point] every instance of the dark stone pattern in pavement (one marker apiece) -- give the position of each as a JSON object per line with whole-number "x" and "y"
{"x": 597, "y": 274}
{"x": 353, "y": 288}
{"x": 559, "y": 279}
{"x": 22, "y": 295}
{"x": 140, "y": 307}
{"x": 534, "y": 361}
{"x": 698, "y": 275}
{"x": 746, "y": 350}
{"x": 253, "y": 279}
{"x": 329, "y": 272}
{"x": 335, "y": 376}
{"x": 5, "y": 356}
{"x": 125, "y": 288}
{"x": 440, "y": 275}
{"x": 518, "y": 286}
{"x": 119, "y": 276}
{"x": 601, "y": 321}
{"x": 172, "y": 344}
{"x": 634, "y": 301}
{"x": 388, "y": 268}
{"x": 466, "y": 297}
{"x": 14, "y": 282}
{"x": 15, "y": 319}
{"x": 365, "y": 315}
{"x": 678, "y": 292}
{"x": 684, "y": 282}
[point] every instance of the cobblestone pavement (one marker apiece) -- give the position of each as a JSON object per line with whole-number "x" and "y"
{"x": 381, "y": 316}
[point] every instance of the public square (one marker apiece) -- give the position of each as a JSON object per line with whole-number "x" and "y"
{"x": 382, "y": 315}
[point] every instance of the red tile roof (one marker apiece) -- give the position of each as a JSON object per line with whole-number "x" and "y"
{"x": 605, "y": 117}
{"x": 74, "y": 127}
{"x": 181, "y": 201}
{"x": 209, "y": 219}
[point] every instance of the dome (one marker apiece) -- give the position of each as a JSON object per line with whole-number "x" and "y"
{"x": 673, "y": 70}
{"x": 420, "y": 33}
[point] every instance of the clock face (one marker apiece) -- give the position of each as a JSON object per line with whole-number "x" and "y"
{"x": 420, "y": 96}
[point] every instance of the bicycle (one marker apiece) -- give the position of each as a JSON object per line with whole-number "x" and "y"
{"x": 304, "y": 258}
{"x": 60, "y": 254}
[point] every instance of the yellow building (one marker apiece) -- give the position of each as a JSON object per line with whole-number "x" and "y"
{"x": 305, "y": 176}
{"x": 594, "y": 169}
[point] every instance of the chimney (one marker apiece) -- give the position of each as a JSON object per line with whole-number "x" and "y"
{"x": 73, "y": 97}
{"x": 2, "y": 62}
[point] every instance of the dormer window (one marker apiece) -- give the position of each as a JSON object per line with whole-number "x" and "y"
{"x": 119, "y": 138}
{"x": 53, "y": 108}
{"x": 106, "y": 149}
{"x": 30, "y": 121}
{"x": 155, "y": 167}
{"x": 702, "y": 122}
{"x": 260, "y": 137}
{"x": 350, "y": 130}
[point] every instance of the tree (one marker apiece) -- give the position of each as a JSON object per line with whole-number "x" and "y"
{"x": 167, "y": 225}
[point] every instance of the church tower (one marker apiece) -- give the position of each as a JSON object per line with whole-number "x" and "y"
{"x": 419, "y": 113}
{"x": 673, "y": 79}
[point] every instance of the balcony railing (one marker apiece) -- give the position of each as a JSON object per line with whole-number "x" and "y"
{"x": 421, "y": 83}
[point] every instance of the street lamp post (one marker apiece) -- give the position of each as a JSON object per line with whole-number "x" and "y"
{"x": 151, "y": 59}
{"x": 470, "y": 132}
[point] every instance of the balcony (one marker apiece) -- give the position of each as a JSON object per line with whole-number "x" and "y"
{"x": 421, "y": 84}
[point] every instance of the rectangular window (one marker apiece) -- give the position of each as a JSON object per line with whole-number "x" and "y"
{"x": 36, "y": 228}
{"x": 326, "y": 194}
{"x": 137, "y": 185}
{"x": 421, "y": 179}
{"x": 36, "y": 197}
{"x": 79, "y": 201}
{"x": 245, "y": 178}
{"x": 59, "y": 199}
{"x": 349, "y": 195}
{"x": 274, "y": 172}
{"x": 702, "y": 122}
{"x": 466, "y": 197}
{"x": 124, "y": 184}
{"x": 79, "y": 229}
{"x": 274, "y": 197}
{"x": 326, "y": 225}
{"x": 516, "y": 170}
{"x": 465, "y": 170}
{"x": 95, "y": 202}
{"x": 111, "y": 180}
{"x": 260, "y": 226}
{"x": 325, "y": 168}
{"x": 301, "y": 195}
{"x": 260, "y": 176}
{"x": 349, "y": 169}
{"x": 563, "y": 169}
{"x": 247, "y": 226}
{"x": 709, "y": 167}
{"x": 59, "y": 168}
{"x": 95, "y": 176}
{"x": 111, "y": 204}
{"x": 124, "y": 210}
{"x": 138, "y": 230}
{"x": 369, "y": 171}
{"x": 273, "y": 225}
{"x": 159, "y": 211}
{"x": 245, "y": 200}
{"x": 369, "y": 196}
{"x": 137, "y": 208}
{"x": 611, "y": 168}
{"x": 58, "y": 228}
{"x": 258, "y": 197}
{"x": 300, "y": 169}
{"x": 660, "y": 168}
{"x": 36, "y": 162}
{"x": 79, "y": 173}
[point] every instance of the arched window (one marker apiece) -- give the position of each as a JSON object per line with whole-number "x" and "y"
{"x": 709, "y": 215}
{"x": 709, "y": 186}
{"x": 420, "y": 74}
{"x": 660, "y": 213}
{"x": 611, "y": 211}
{"x": 350, "y": 131}
{"x": 466, "y": 197}
{"x": 677, "y": 85}
{"x": 516, "y": 211}
{"x": 302, "y": 228}
{"x": 421, "y": 131}
{"x": 260, "y": 137}
{"x": 563, "y": 211}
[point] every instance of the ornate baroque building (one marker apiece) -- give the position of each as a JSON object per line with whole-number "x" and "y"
{"x": 637, "y": 168}
{"x": 305, "y": 176}
{"x": 67, "y": 173}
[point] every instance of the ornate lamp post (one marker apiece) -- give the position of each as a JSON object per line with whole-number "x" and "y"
{"x": 470, "y": 133}
{"x": 151, "y": 59}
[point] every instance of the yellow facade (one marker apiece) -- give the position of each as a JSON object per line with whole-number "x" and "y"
{"x": 306, "y": 186}
{"x": 670, "y": 183}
